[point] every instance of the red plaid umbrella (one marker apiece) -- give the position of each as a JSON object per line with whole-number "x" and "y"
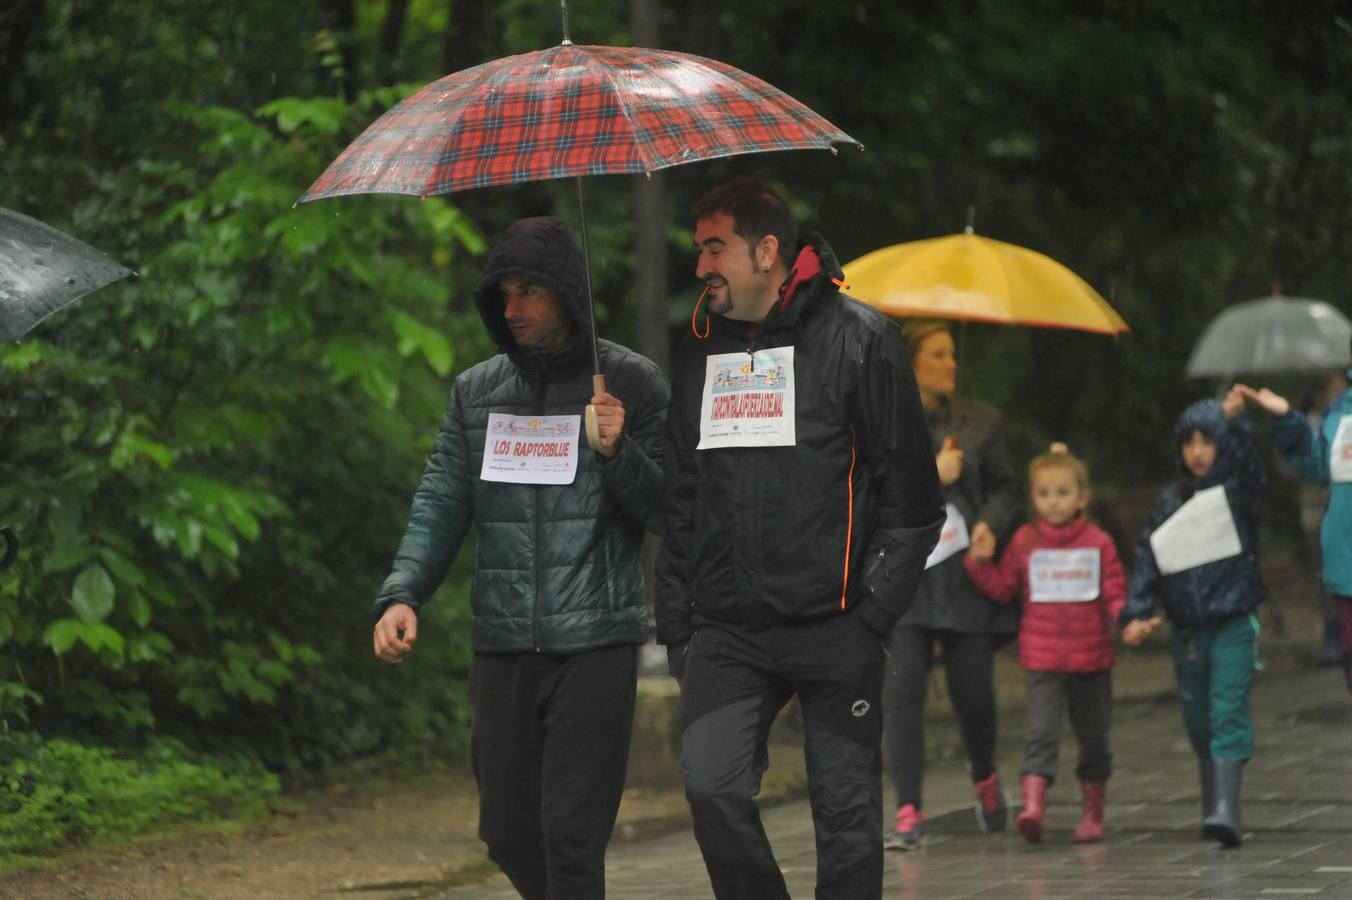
{"x": 571, "y": 110}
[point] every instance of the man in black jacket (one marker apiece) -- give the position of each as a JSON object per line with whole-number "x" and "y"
{"x": 801, "y": 501}
{"x": 558, "y": 602}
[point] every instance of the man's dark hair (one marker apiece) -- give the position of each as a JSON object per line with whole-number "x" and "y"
{"x": 756, "y": 211}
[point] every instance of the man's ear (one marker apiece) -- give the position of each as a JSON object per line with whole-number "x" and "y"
{"x": 767, "y": 251}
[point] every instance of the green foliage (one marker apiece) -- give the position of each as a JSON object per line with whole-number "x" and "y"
{"x": 55, "y": 794}
{"x": 208, "y": 466}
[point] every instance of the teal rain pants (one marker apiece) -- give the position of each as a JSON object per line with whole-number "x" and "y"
{"x": 1214, "y": 668}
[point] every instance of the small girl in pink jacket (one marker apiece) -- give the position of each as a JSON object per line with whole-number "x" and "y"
{"x": 1068, "y": 573}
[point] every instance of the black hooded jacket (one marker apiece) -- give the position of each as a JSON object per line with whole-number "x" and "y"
{"x": 843, "y": 520}
{"x": 1208, "y": 594}
{"x": 556, "y": 567}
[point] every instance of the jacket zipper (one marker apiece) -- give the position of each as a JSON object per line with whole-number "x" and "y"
{"x": 535, "y": 542}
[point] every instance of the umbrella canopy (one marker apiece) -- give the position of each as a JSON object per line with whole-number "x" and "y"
{"x": 43, "y": 270}
{"x": 1272, "y": 334}
{"x": 570, "y": 110}
{"x": 965, "y": 276}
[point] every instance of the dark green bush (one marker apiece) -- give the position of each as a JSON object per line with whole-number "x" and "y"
{"x": 56, "y": 794}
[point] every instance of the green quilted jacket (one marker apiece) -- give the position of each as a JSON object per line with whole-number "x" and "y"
{"x": 556, "y": 567}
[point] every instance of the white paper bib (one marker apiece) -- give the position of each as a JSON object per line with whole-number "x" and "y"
{"x": 1063, "y": 576}
{"x": 1340, "y": 451}
{"x": 531, "y": 449}
{"x": 1200, "y": 532}
{"x": 953, "y": 537}
{"x": 748, "y": 400}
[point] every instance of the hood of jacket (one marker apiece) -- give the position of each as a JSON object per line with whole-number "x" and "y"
{"x": 544, "y": 250}
{"x": 814, "y": 268}
{"x": 1206, "y": 416}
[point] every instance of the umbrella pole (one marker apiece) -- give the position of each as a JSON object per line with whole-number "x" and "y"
{"x": 598, "y": 380}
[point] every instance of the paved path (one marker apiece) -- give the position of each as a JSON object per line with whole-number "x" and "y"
{"x": 1297, "y": 810}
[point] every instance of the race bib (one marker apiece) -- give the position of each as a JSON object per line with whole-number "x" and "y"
{"x": 1340, "y": 451}
{"x": 953, "y": 538}
{"x": 1063, "y": 576}
{"x": 748, "y": 400}
{"x": 531, "y": 449}
{"x": 1200, "y": 532}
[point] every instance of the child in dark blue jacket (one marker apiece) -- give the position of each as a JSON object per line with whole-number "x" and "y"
{"x": 1198, "y": 557}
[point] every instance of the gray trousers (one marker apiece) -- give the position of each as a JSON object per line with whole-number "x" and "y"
{"x": 1089, "y": 697}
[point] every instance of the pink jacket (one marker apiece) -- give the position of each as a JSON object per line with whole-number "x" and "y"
{"x": 1058, "y": 637}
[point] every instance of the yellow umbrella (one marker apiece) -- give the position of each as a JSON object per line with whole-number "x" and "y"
{"x": 965, "y": 276}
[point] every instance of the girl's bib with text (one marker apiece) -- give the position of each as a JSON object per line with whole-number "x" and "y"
{"x": 1063, "y": 576}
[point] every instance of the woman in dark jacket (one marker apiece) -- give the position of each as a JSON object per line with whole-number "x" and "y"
{"x": 978, "y": 487}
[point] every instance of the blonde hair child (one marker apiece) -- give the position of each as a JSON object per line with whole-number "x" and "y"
{"x": 1067, "y": 573}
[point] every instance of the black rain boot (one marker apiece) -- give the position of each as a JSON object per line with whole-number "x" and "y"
{"x": 1206, "y": 776}
{"x": 1223, "y": 822}
{"x": 1332, "y": 652}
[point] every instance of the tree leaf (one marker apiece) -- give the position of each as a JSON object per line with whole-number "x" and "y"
{"x": 62, "y": 634}
{"x": 93, "y": 594}
{"x": 96, "y": 636}
{"x": 67, "y": 556}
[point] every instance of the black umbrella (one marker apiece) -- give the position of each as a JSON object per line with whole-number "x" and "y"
{"x": 43, "y": 270}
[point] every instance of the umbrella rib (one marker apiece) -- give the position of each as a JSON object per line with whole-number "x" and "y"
{"x": 628, "y": 117}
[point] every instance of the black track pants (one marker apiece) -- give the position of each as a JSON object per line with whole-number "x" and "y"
{"x": 550, "y": 745}
{"x": 969, "y": 667}
{"x": 736, "y": 681}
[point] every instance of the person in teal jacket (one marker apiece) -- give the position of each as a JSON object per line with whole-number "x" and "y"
{"x": 558, "y": 602}
{"x": 1323, "y": 456}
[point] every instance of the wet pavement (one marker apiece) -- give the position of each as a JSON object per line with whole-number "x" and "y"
{"x": 1296, "y": 805}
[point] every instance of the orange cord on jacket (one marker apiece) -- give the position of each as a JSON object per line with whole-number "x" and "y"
{"x": 694, "y": 317}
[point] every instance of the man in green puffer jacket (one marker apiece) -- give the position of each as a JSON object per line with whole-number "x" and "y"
{"x": 559, "y": 609}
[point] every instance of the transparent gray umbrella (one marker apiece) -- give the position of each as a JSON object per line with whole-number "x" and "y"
{"x": 43, "y": 270}
{"x": 1274, "y": 334}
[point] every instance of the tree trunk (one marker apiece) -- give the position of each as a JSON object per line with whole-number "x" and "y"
{"x": 651, "y": 335}
{"x": 466, "y": 42}
{"x": 341, "y": 19}
{"x": 391, "y": 42}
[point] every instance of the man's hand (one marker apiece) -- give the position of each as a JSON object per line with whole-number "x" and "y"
{"x": 1273, "y": 403}
{"x": 949, "y": 462}
{"x": 1137, "y": 630}
{"x": 609, "y": 423}
{"x": 395, "y": 633}
{"x": 983, "y": 543}
{"x": 676, "y": 654}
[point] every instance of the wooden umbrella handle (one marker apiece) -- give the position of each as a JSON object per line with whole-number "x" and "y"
{"x": 593, "y": 430}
